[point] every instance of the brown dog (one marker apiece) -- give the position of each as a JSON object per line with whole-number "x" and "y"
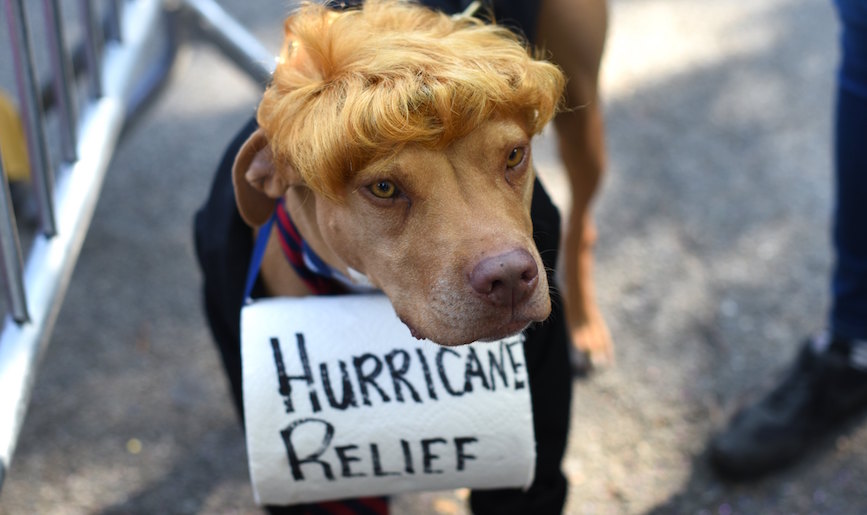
{"x": 398, "y": 141}
{"x": 420, "y": 183}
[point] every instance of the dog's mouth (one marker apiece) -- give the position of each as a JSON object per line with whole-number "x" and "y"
{"x": 508, "y": 330}
{"x": 499, "y": 332}
{"x": 418, "y": 335}
{"x": 452, "y": 319}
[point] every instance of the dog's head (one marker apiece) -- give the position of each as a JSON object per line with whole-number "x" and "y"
{"x": 401, "y": 140}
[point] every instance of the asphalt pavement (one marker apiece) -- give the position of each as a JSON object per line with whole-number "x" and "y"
{"x": 713, "y": 261}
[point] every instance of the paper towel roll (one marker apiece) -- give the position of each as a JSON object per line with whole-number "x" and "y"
{"x": 341, "y": 401}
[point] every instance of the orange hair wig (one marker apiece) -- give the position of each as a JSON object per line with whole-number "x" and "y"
{"x": 352, "y": 87}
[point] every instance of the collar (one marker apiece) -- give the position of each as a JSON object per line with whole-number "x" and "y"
{"x": 321, "y": 278}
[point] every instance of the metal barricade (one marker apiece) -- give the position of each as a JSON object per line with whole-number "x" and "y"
{"x": 126, "y": 49}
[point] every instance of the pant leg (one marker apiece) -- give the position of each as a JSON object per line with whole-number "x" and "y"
{"x": 849, "y": 284}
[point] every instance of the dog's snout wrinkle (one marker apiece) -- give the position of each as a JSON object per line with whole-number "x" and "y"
{"x": 505, "y": 279}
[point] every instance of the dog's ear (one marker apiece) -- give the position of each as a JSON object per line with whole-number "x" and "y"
{"x": 256, "y": 180}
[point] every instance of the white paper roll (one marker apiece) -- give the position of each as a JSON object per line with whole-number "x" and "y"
{"x": 340, "y": 401}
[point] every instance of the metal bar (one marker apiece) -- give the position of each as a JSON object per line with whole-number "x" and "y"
{"x": 134, "y": 80}
{"x": 51, "y": 260}
{"x": 113, "y": 29}
{"x": 49, "y": 268}
{"x": 79, "y": 67}
{"x": 28, "y": 92}
{"x": 235, "y": 40}
{"x": 10, "y": 253}
{"x": 62, "y": 78}
{"x": 92, "y": 45}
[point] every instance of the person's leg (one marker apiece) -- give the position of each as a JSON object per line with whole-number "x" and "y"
{"x": 849, "y": 306}
{"x": 828, "y": 382}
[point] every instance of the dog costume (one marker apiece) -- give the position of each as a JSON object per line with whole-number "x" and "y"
{"x": 224, "y": 245}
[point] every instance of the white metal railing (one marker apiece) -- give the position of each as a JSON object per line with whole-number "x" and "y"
{"x": 127, "y": 48}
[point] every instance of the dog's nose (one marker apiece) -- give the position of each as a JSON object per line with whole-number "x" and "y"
{"x": 505, "y": 279}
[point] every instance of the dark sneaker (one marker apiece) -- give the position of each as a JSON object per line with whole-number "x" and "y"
{"x": 821, "y": 390}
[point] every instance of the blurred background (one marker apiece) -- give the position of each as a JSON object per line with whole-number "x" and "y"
{"x": 713, "y": 258}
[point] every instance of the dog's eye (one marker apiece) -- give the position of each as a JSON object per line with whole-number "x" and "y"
{"x": 383, "y": 189}
{"x": 515, "y": 157}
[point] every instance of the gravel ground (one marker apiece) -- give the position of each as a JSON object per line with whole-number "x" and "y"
{"x": 713, "y": 260}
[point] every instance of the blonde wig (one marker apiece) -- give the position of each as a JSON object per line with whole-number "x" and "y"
{"x": 352, "y": 87}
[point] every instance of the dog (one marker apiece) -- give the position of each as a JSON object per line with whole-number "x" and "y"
{"x": 396, "y": 142}
{"x": 420, "y": 185}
